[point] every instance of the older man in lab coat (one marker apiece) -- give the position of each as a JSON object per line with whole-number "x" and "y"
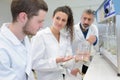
{"x": 85, "y": 31}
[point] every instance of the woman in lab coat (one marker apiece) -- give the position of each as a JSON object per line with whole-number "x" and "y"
{"x": 52, "y": 46}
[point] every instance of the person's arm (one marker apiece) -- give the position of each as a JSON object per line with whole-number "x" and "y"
{"x": 96, "y": 35}
{"x": 92, "y": 39}
{"x": 95, "y": 41}
{"x": 73, "y": 64}
{"x": 6, "y": 70}
{"x": 40, "y": 61}
{"x": 69, "y": 53}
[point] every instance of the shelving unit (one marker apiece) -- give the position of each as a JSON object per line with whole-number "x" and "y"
{"x": 108, "y": 18}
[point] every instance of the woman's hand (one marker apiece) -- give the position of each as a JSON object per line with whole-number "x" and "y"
{"x": 78, "y": 58}
{"x": 85, "y": 57}
{"x": 63, "y": 59}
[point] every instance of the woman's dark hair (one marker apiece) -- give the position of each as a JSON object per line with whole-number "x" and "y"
{"x": 70, "y": 22}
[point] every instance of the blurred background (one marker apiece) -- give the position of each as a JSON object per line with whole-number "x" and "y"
{"x": 77, "y": 6}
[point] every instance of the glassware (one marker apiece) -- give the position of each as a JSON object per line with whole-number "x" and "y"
{"x": 83, "y": 51}
{"x": 113, "y": 45}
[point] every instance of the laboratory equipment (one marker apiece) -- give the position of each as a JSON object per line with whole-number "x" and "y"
{"x": 108, "y": 18}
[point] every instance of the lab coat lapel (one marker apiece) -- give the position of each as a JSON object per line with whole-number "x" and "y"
{"x": 89, "y": 32}
{"x": 62, "y": 44}
{"x": 79, "y": 33}
{"x": 29, "y": 62}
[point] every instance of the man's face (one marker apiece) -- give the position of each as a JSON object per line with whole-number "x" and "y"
{"x": 35, "y": 23}
{"x": 87, "y": 19}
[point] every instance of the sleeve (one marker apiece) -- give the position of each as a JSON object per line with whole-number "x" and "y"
{"x": 69, "y": 64}
{"x": 40, "y": 62}
{"x": 96, "y": 34}
{"x": 6, "y": 71}
{"x": 96, "y": 31}
{"x": 69, "y": 48}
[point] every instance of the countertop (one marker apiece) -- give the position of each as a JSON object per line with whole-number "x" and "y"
{"x": 99, "y": 69}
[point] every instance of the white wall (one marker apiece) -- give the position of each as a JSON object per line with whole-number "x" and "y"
{"x": 5, "y": 15}
{"x": 77, "y": 6}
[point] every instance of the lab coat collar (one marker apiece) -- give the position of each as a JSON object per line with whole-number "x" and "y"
{"x": 9, "y": 35}
{"x": 77, "y": 28}
{"x": 48, "y": 31}
{"x": 79, "y": 33}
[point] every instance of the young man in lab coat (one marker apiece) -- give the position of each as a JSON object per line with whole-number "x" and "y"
{"x": 15, "y": 58}
{"x": 85, "y": 30}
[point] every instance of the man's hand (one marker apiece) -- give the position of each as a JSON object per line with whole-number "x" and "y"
{"x": 75, "y": 71}
{"x": 91, "y": 39}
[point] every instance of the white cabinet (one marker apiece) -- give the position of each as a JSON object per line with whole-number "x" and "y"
{"x": 109, "y": 32}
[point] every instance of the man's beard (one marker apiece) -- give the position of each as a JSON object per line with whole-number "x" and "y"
{"x": 26, "y": 30}
{"x": 86, "y": 25}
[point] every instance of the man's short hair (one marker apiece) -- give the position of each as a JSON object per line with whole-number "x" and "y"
{"x": 89, "y": 11}
{"x": 30, "y": 7}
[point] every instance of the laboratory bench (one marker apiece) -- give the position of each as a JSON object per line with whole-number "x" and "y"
{"x": 100, "y": 69}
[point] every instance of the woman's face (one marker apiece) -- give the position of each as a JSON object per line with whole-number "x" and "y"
{"x": 60, "y": 20}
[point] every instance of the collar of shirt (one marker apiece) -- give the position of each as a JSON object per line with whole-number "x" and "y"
{"x": 9, "y": 35}
{"x": 83, "y": 28}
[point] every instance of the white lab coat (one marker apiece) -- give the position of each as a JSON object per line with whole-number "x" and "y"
{"x": 46, "y": 49}
{"x": 15, "y": 60}
{"x": 79, "y": 37}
